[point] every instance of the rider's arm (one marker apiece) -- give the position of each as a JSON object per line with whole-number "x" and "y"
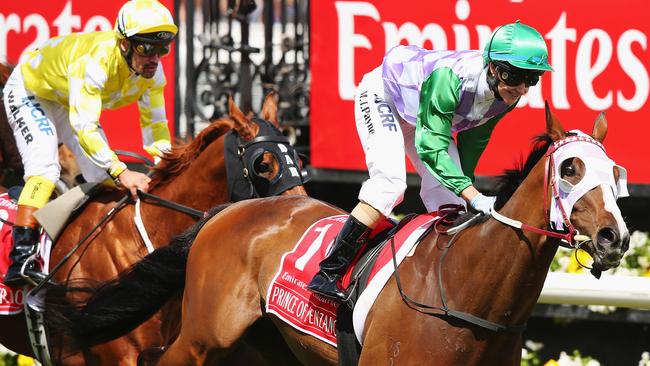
{"x": 86, "y": 80}
{"x": 472, "y": 143}
{"x": 439, "y": 97}
{"x": 153, "y": 120}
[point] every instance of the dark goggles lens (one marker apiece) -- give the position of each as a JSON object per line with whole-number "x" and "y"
{"x": 146, "y": 50}
{"x": 514, "y": 78}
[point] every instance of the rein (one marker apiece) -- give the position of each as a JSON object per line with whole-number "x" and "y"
{"x": 429, "y": 309}
{"x": 119, "y": 205}
{"x": 197, "y": 214}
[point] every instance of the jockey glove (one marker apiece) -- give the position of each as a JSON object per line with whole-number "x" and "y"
{"x": 482, "y": 203}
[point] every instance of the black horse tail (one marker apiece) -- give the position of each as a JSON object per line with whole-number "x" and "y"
{"x": 118, "y": 306}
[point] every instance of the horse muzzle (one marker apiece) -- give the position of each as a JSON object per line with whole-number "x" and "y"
{"x": 610, "y": 245}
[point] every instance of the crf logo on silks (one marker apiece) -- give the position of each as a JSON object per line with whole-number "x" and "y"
{"x": 35, "y": 112}
{"x": 378, "y": 111}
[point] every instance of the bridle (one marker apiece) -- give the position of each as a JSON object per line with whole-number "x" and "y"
{"x": 244, "y": 181}
{"x": 569, "y": 236}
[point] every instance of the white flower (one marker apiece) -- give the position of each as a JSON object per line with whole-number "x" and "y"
{"x": 644, "y": 262}
{"x": 638, "y": 239}
{"x": 534, "y": 346}
{"x": 645, "y": 359}
{"x": 566, "y": 360}
{"x": 593, "y": 363}
{"x": 564, "y": 263}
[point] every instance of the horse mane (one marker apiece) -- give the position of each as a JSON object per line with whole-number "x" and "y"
{"x": 511, "y": 179}
{"x": 181, "y": 155}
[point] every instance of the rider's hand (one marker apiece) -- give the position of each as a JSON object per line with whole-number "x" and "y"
{"x": 482, "y": 203}
{"x": 133, "y": 181}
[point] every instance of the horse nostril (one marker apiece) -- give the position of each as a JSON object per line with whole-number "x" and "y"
{"x": 607, "y": 236}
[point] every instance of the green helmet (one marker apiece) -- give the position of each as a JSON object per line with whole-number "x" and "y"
{"x": 519, "y": 45}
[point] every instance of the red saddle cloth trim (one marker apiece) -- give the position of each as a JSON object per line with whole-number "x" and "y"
{"x": 11, "y": 299}
{"x": 287, "y": 296}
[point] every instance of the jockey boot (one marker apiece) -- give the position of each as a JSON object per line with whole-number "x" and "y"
{"x": 348, "y": 242}
{"x": 25, "y": 236}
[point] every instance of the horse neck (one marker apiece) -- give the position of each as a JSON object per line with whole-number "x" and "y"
{"x": 507, "y": 266}
{"x": 201, "y": 185}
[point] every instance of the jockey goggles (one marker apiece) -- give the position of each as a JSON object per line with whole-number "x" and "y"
{"x": 513, "y": 76}
{"x": 146, "y": 49}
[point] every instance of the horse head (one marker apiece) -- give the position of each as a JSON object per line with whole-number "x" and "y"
{"x": 260, "y": 159}
{"x": 584, "y": 184}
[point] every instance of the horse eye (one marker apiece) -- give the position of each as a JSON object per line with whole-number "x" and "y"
{"x": 262, "y": 167}
{"x": 568, "y": 171}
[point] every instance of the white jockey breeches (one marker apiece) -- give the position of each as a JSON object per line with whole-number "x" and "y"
{"x": 385, "y": 139}
{"x": 38, "y": 126}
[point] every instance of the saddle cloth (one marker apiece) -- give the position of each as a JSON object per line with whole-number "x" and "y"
{"x": 288, "y": 298}
{"x": 11, "y": 299}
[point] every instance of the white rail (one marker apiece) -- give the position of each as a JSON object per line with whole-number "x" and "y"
{"x": 584, "y": 289}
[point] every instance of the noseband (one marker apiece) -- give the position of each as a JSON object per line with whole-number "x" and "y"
{"x": 244, "y": 181}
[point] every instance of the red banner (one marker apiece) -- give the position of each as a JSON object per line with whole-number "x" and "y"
{"x": 598, "y": 50}
{"x": 26, "y": 25}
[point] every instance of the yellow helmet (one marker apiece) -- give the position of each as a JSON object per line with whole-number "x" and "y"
{"x": 146, "y": 21}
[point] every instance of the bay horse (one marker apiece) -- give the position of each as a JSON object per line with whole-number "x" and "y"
{"x": 494, "y": 271}
{"x": 195, "y": 175}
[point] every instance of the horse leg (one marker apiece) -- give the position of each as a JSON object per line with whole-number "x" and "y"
{"x": 209, "y": 329}
{"x": 262, "y": 345}
{"x": 202, "y": 341}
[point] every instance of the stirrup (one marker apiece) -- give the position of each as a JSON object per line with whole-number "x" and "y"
{"x": 34, "y": 277}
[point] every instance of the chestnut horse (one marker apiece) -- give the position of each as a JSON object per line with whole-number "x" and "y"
{"x": 494, "y": 270}
{"x": 193, "y": 175}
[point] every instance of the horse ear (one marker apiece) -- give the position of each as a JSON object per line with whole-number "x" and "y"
{"x": 243, "y": 125}
{"x": 553, "y": 126}
{"x": 270, "y": 108}
{"x": 600, "y": 127}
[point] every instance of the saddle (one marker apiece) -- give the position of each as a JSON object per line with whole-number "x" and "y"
{"x": 54, "y": 216}
{"x": 451, "y": 216}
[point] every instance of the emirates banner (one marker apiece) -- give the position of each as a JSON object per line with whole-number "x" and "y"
{"x": 599, "y": 51}
{"x": 24, "y": 26}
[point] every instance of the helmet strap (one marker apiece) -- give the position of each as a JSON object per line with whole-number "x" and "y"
{"x": 493, "y": 82}
{"x": 128, "y": 54}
